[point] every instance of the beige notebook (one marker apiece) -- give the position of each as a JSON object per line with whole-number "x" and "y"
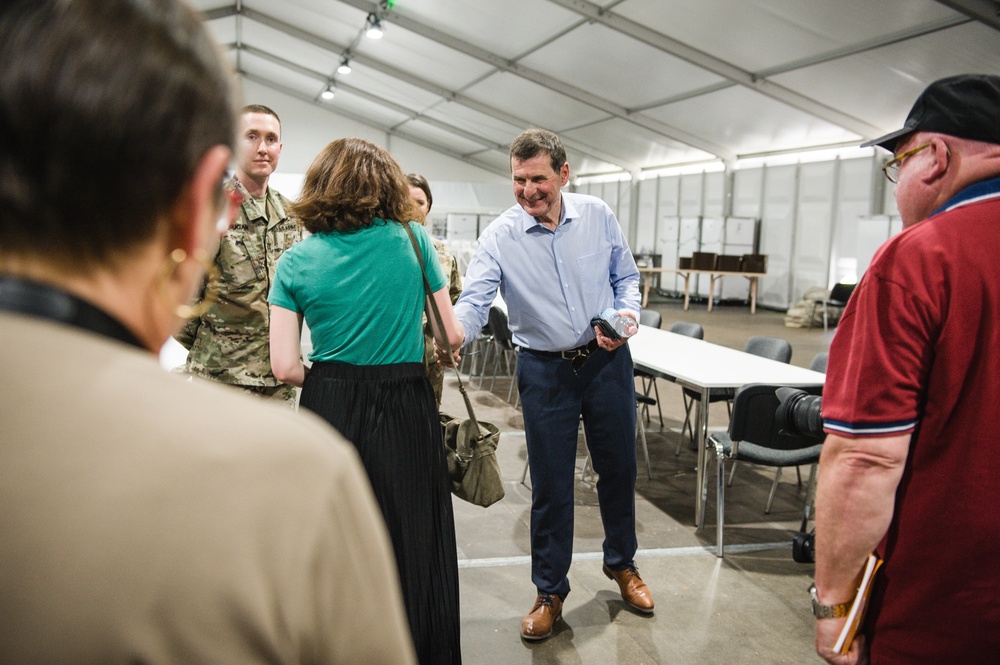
{"x": 857, "y": 612}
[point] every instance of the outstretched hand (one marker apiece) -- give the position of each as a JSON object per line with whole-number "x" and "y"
{"x": 447, "y": 357}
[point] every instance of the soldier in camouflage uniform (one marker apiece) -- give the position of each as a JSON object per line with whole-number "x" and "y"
{"x": 229, "y": 343}
{"x": 421, "y": 193}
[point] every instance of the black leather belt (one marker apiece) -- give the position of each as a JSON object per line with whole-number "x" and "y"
{"x": 568, "y": 354}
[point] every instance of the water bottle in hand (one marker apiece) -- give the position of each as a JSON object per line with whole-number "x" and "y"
{"x": 617, "y": 326}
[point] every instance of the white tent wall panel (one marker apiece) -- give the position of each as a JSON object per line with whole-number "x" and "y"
{"x": 689, "y": 236}
{"x": 668, "y": 202}
{"x": 714, "y": 207}
{"x": 854, "y": 199}
{"x": 668, "y": 247}
{"x": 747, "y": 186}
{"x": 712, "y": 232}
{"x": 748, "y": 189}
{"x": 624, "y": 211}
{"x": 609, "y": 193}
{"x": 668, "y": 227}
{"x": 778, "y": 211}
{"x": 873, "y": 231}
{"x": 809, "y": 218}
{"x": 692, "y": 195}
{"x": 692, "y": 204}
{"x": 741, "y": 236}
{"x": 715, "y": 198}
{"x": 618, "y": 195}
{"x": 817, "y": 206}
{"x": 644, "y": 241}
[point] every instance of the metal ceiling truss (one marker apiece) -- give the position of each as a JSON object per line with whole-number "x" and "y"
{"x": 717, "y": 66}
{"x": 986, "y": 12}
{"x": 340, "y": 84}
{"x": 445, "y": 93}
{"x": 390, "y": 131}
{"x": 820, "y": 58}
{"x": 400, "y": 18}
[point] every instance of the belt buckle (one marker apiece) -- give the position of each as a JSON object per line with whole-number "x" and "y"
{"x": 569, "y": 354}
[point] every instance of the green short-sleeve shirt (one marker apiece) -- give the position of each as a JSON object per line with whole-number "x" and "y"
{"x": 361, "y": 293}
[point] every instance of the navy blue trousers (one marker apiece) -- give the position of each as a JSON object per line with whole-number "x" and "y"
{"x": 553, "y": 398}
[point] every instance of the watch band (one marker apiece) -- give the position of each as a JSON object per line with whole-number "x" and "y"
{"x": 821, "y": 611}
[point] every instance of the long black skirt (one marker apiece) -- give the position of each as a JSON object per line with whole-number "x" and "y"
{"x": 388, "y": 412}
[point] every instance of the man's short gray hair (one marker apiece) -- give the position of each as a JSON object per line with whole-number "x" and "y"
{"x": 533, "y": 142}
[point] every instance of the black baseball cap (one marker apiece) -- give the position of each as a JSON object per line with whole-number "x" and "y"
{"x": 966, "y": 106}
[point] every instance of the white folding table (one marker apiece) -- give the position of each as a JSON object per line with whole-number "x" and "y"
{"x": 702, "y": 366}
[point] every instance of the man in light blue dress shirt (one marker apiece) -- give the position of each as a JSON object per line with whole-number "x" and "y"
{"x": 559, "y": 259}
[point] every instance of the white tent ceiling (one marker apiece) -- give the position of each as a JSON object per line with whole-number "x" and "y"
{"x": 630, "y": 85}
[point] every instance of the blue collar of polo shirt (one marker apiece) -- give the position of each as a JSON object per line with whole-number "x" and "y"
{"x": 984, "y": 189}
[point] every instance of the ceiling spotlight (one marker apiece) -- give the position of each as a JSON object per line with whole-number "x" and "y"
{"x": 374, "y": 27}
{"x": 327, "y": 94}
{"x": 345, "y": 66}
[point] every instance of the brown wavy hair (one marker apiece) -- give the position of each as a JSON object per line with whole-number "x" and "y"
{"x": 349, "y": 184}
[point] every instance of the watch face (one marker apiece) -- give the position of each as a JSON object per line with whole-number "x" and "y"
{"x": 821, "y": 611}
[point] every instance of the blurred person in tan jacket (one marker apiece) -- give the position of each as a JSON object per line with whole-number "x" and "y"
{"x": 145, "y": 518}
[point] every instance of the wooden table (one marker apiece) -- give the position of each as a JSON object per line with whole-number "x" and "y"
{"x": 715, "y": 276}
{"x": 702, "y": 366}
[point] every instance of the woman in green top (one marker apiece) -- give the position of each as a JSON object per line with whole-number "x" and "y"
{"x": 356, "y": 281}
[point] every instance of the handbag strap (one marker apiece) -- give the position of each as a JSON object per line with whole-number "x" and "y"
{"x": 440, "y": 324}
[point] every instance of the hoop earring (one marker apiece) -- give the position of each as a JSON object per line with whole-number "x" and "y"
{"x": 208, "y": 298}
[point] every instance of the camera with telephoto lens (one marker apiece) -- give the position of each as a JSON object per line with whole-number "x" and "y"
{"x": 798, "y": 413}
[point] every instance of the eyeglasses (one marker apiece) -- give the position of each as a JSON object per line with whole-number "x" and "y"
{"x": 577, "y": 362}
{"x": 891, "y": 168}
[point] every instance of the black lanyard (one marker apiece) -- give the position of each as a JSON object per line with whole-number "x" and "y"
{"x": 48, "y": 302}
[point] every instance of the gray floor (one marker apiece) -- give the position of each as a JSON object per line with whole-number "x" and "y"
{"x": 750, "y": 607}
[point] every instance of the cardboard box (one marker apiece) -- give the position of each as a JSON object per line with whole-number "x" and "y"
{"x": 754, "y": 263}
{"x": 729, "y": 263}
{"x": 703, "y": 260}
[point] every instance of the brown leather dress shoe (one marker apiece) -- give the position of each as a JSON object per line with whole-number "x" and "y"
{"x": 635, "y": 593}
{"x": 538, "y": 624}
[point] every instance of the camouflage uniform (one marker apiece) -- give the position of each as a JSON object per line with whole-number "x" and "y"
{"x": 449, "y": 265}
{"x": 229, "y": 343}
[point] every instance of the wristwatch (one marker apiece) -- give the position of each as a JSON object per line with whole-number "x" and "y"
{"x": 821, "y": 611}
